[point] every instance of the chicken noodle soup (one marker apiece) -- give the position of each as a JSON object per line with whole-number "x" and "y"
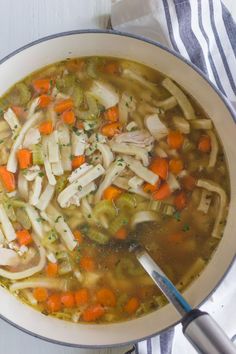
{"x": 96, "y": 153}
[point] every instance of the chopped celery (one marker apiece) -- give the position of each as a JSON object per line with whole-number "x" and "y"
{"x": 93, "y": 110}
{"x": 104, "y": 207}
{"x": 120, "y": 221}
{"x": 23, "y": 218}
{"x": 9, "y": 210}
{"x": 17, "y": 203}
{"x": 92, "y": 67}
{"x": 66, "y": 83}
{"x": 126, "y": 200}
{"x": 24, "y": 93}
{"x": 61, "y": 183}
{"x": 77, "y": 95}
{"x": 64, "y": 268}
{"x": 99, "y": 237}
{"x": 37, "y": 151}
{"x": 62, "y": 256}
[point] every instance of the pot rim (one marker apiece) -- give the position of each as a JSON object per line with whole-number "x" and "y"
{"x": 203, "y": 75}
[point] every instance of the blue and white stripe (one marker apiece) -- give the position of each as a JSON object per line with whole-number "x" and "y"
{"x": 204, "y": 32}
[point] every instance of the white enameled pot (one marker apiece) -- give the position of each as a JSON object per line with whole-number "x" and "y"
{"x": 85, "y": 43}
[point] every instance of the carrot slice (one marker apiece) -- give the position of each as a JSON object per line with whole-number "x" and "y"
{"x": 68, "y": 299}
{"x": 52, "y": 269}
{"x": 112, "y": 114}
{"x": 40, "y": 294}
{"x": 176, "y": 166}
{"x": 180, "y": 201}
{"x": 24, "y": 237}
{"x": 111, "y": 68}
{"x": 121, "y": 234}
{"x": 81, "y": 296}
{"x": 77, "y": 161}
{"x": 63, "y": 106}
{"x": 87, "y": 263}
{"x": 78, "y": 235}
{"x": 132, "y": 305}
{"x": 24, "y": 157}
{"x": 160, "y": 167}
{"x": 54, "y": 303}
{"x": 42, "y": 85}
{"x": 150, "y": 188}
{"x": 111, "y": 193}
{"x": 93, "y": 313}
{"x": 46, "y": 127}
{"x": 106, "y": 297}
{"x": 189, "y": 182}
{"x": 204, "y": 143}
{"x": 68, "y": 117}
{"x": 44, "y": 101}
{"x": 75, "y": 65}
{"x": 175, "y": 139}
{"x": 162, "y": 193}
{"x": 111, "y": 129}
{"x": 8, "y": 179}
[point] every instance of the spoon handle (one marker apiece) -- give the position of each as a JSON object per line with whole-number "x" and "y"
{"x": 198, "y": 327}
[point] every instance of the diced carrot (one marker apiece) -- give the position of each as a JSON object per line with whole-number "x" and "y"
{"x": 51, "y": 269}
{"x": 87, "y": 263}
{"x": 176, "y": 166}
{"x": 24, "y": 157}
{"x": 46, "y": 127}
{"x": 111, "y": 68}
{"x": 176, "y": 237}
{"x": 75, "y": 65}
{"x": 80, "y": 125}
{"x": 175, "y": 139}
{"x": 162, "y": 193}
{"x": 160, "y": 167}
{"x": 112, "y": 114}
{"x": 42, "y": 85}
{"x": 93, "y": 313}
{"x": 54, "y": 303}
{"x": 68, "y": 299}
{"x": 8, "y": 179}
{"x": 121, "y": 234}
{"x": 106, "y": 297}
{"x": 82, "y": 296}
{"x": 24, "y": 237}
{"x": 77, "y": 161}
{"x": 204, "y": 143}
{"x": 111, "y": 193}
{"x": 68, "y": 117}
{"x": 78, "y": 235}
{"x": 180, "y": 200}
{"x": 40, "y": 294}
{"x": 150, "y": 188}
{"x": 44, "y": 101}
{"x": 111, "y": 129}
{"x": 132, "y": 305}
{"x": 19, "y": 111}
{"x": 63, "y": 106}
{"x": 189, "y": 182}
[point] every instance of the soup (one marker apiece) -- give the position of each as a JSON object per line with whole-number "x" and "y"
{"x": 96, "y": 153}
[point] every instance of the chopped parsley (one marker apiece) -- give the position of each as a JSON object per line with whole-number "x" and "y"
{"x": 41, "y": 174}
{"x": 57, "y": 219}
{"x": 186, "y": 227}
{"x": 176, "y": 215}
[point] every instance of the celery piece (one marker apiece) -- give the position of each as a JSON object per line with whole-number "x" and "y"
{"x": 97, "y": 236}
{"x": 37, "y": 152}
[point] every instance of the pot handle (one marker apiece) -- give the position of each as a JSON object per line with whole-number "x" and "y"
{"x": 205, "y": 334}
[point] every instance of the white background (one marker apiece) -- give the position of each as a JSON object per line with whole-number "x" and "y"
{"x": 22, "y": 21}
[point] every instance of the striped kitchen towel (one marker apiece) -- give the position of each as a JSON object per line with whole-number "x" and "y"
{"x": 204, "y": 32}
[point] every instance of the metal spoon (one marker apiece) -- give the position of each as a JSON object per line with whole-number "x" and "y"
{"x": 198, "y": 327}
